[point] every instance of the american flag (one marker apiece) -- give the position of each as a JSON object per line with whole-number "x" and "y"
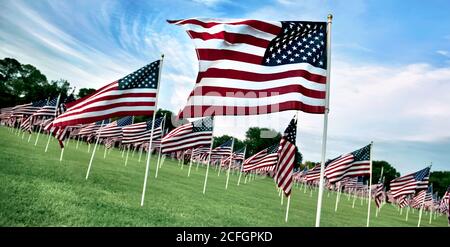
{"x": 5, "y": 113}
{"x": 114, "y": 129}
{"x": 139, "y": 133}
{"x": 201, "y": 153}
{"x": 135, "y": 94}
{"x": 92, "y": 128}
{"x": 379, "y": 196}
{"x": 354, "y": 164}
{"x": 27, "y": 123}
{"x": 264, "y": 158}
{"x": 403, "y": 201}
{"x": 223, "y": 150}
{"x": 48, "y": 110}
{"x": 250, "y": 67}
{"x": 410, "y": 183}
{"x": 418, "y": 199}
{"x": 240, "y": 154}
{"x": 313, "y": 174}
{"x": 286, "y": 158}
{"x": 188, "y": 136}
{"x": 28, "y": 109}
{"x": 237, "y": 156}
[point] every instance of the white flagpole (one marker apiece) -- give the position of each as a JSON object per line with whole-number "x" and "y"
{"x": 381, "y": 176}
{"x": 287, "y": 207}
{"x": 128, "y": 152}
{"x": 140, "y": 153}
{"x": 242, "y": 166}
{"x": 209, "y": 157}
{"x": 37, "y": 138}
{"x": 163, "y": 125}
{"x": 229, "y": 166}
{"x": 338, "y": 195}
{"x": 325, "y": 121}
{"x": 29, "y": 137}
{"x": 407, "y": 213}
{"x": 190, "y": 162}
{"x": 182, "y": 160}
{"x": 149, "y": 153}
{"x": 61, "y": 156}
{"x": 50, "y": 132}
{"x": 78, "y": 141}
{"x": 219, "y": 167}
{"x": 421, "y": 207}
{"x": 93, "y": 152}
{"x": 104, "y": 154}
{"x": 134, "y": 150}
{"x": 370, "y": 186}
{"x": 48, "y": 141}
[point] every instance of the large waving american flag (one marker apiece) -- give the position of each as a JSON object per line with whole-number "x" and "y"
{"x": 188, "y": 136}
{"x": 250, "y": 67}
{"x": 354, "y": 164}
{"x": 286, "y": 158}
{"x": 264, "y": 158}
{"x": 410, "y": 183}
{"x": 135, "y": 94}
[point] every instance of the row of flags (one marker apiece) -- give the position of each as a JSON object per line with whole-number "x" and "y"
{"x": 246, "y": 67}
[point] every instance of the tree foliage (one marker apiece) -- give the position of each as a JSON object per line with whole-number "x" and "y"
{"x": 257, "y": 139}
{"x": 24, "y": 83}
{"x": 84, "y": 92}
{"x": 389, "y": 172}
{"x": 440, "y": 181}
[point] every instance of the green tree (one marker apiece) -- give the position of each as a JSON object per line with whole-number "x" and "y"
{"x": 219, "y": 140}
{"x": 23, "y": 83}
{"x": 389, "y": 172}
{"x": 257, "y": 139}
{"x": 310, "y": 164}
{"x": 84, "y": 92}
{"x": 440, "y": 181}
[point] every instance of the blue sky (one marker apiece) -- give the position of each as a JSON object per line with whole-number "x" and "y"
{"x": 390, "y": 80}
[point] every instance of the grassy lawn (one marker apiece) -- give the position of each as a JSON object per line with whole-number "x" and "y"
{"x": 36, "y": 189}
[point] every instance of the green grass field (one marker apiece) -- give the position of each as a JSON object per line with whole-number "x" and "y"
{"x": 38, "y": 190}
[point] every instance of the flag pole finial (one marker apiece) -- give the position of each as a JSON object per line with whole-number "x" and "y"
{"x": 330, "y": 17}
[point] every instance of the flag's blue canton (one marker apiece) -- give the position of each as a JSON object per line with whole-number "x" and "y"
{"x": 291, "y": 131}
{"x": 52, "y": 102}
{"x": 157, "y": 123}
{"x": 201, "y": 125}
{"x": 362, "y": 154}
{"x": 420, "y": 175}
{"x": 272, "y": 149}
{"x": 39, "y": 103}
{"x": 106, "y": 121}
{"x": 298, "y": 42}
{"x": 146, "y": 77}
{"x": 227, "y": 143}
{"x": 125, "y": 121}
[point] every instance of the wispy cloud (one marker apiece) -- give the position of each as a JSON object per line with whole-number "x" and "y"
{"x": 443, "y": 53}
{"x": 211, "y": 3}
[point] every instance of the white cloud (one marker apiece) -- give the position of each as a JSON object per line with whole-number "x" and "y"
{"x": 443, "y": 53}
{"x": 211, "y": 3}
